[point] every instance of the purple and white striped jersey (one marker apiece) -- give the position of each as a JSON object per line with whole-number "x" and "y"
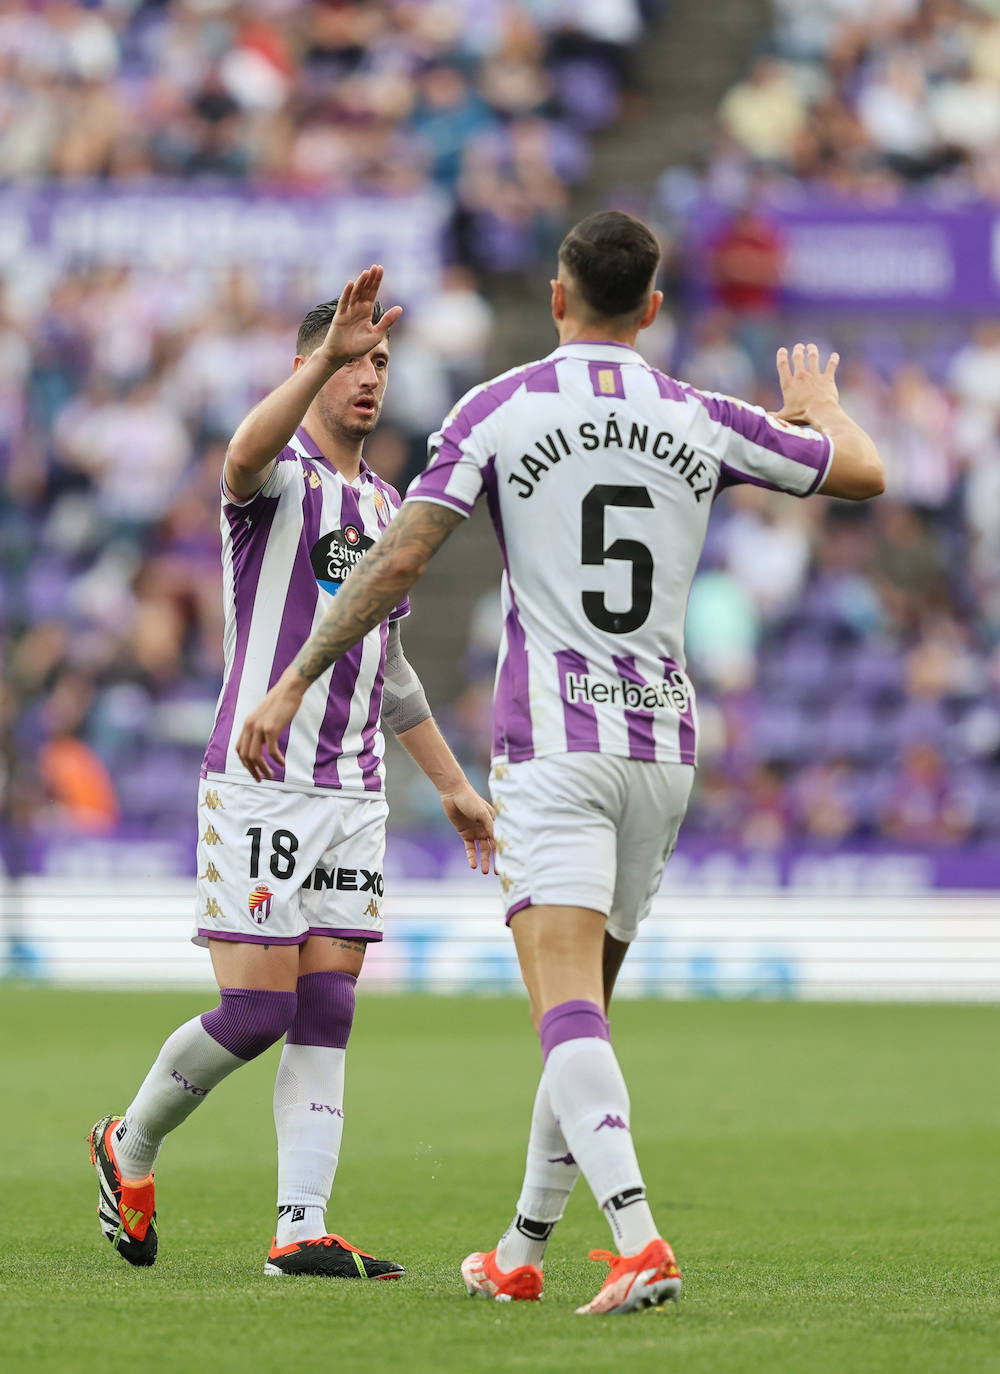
{"x": 600, "y": 473}
{"x": 285, "y": 553}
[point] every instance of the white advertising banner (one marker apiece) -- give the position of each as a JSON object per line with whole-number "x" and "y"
{"x": 450, "y": 937}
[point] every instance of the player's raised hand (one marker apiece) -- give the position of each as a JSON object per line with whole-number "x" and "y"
{"x": 351, "y": 333}
{"x": 806, "y": 389}
{"x": 472, "y": 816}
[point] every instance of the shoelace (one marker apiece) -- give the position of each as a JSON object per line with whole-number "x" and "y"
{"x": 337, "y": 1240}
{"x": 608, "y": 1256}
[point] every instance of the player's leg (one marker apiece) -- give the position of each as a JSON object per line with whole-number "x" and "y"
{"x": 648, "y": 824}
{"x": 309, "y": 1086}
{"x": 570, "y": 960}
{"x": 551, "y": 1170}
{"x": 528, "y": 847}
{"x": 590, "y": 1098}
{"x": 256, "y": 1006}
{"x": 253, "y": 929}
{"x": 614, "y": 957}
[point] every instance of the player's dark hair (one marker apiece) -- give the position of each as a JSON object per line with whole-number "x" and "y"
{"x": 613, "y": 258}
{"x": 315, "y": 325}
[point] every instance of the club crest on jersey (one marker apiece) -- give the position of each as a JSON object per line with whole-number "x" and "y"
{"x": 334, "y": 556}
{"x": 260, "y": 903}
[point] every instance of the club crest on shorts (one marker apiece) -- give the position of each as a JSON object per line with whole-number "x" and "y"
{"x": 260, "y": 903}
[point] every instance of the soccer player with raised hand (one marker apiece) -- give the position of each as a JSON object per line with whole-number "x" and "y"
{"x": 290, "y": 881}
{"x": 600, "y": 473}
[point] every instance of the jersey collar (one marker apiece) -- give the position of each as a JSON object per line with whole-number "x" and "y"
{"x": 599, "y": 351}
{"x": 313, "y": 451}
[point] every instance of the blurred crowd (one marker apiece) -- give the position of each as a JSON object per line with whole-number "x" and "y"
{"x": 847, "y": 660}
{"x": 870, "y": 96}
{"x": 120, "y": 381}
{"x": 491, "y": 100}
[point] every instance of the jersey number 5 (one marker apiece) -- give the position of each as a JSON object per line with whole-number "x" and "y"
{"x": 594, "y": 553}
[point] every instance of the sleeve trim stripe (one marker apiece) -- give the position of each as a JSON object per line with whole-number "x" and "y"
{"x": 452, "y": 503}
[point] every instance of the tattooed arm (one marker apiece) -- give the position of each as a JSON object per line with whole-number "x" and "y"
{"x": 378, "y": 583}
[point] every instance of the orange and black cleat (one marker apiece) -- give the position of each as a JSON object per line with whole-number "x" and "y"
{"x": 125, "y": 1210}
{"x": 329, "y": 1257}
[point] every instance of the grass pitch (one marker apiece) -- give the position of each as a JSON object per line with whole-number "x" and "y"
{"x": 828, "y": 1176}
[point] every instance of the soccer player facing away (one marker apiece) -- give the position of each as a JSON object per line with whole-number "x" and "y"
{"x": 599, "y": 473}
{"x": 290, "y": 873}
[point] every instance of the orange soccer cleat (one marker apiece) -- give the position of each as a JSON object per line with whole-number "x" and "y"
{"x": 483, "y": 1277}
{"x": 647, "y": 1279}
{"x": 125, "y": 1209}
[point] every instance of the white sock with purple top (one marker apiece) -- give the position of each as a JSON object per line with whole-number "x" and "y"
{"x": 591, "y": 1104}
{"x": 549, "y": 1175}
{"x": 194, "y": 1060}
{"x": 309, "y": 1103}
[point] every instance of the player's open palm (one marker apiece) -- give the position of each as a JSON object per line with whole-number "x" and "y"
{"x": 352, "y": 333}
{"x": 806, "y": 388}
{"x": 472, "y": 816}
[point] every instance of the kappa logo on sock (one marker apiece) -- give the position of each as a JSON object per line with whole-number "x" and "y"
{"x": 615, "y": 1122}
{"x": 566, "y": 1159}
{"x": 188, "y": 1087}
{"x": 322, "y": 1107}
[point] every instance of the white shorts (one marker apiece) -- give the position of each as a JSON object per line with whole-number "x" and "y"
{"x": 590, "y": 830}
{"x": 276, "y": 866}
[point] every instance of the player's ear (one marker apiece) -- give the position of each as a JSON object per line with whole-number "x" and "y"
{"x": 652, "y": 310}
{"x": 297, "y": 362}
{"x": 558, "y": 299}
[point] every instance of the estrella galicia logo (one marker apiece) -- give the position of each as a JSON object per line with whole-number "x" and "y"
{"x": 334, "y": 556}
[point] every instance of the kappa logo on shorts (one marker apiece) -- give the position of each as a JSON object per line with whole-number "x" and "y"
{"x": 212, "y": 800}
{"x": 211, "y": 836}
{"x": 210, "y": 875}
{"x": 214, "y": 912}
{"x": 372, "y": 909}
{"x": 506, "y": 883}
{"x": 260, "y": 903}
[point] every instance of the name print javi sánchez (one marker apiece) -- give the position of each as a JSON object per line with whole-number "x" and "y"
{"x": 632, "y": 437}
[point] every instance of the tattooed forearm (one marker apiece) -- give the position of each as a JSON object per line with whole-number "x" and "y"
{"x": 377, "y": 584}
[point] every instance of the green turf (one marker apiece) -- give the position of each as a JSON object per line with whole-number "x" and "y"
{"x": 829, "y": 1176}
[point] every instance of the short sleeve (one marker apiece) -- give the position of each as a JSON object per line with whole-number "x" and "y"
{"x": 286, "y": 465}
{"x": 757, "y": 448}
{"x": 453, "y": 476}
